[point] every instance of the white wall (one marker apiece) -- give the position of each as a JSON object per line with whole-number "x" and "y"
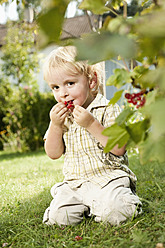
{"x": 43, "y": 86}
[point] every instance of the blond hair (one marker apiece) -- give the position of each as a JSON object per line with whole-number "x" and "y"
{"x": 64, "y": 57}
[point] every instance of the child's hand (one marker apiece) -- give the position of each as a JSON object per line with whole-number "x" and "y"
{"x": 58, "y": 114}
{"x": 83, "y": 117}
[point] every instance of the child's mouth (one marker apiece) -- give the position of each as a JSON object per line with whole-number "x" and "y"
{"x": 69, "y": 104}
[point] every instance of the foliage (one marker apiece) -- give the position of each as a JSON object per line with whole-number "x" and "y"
{"x": 23, "y": 120}
{"x": 53, "y": 13}
{"x": 97, "y": 7}
{"x": 148, "y": 34}
{"x": 140, "y": 38}
{"x": 26, "y": 180}
{"x": 111, "y": 43}
{"x": 6, "y": 93}
{"x": 26, "y": 118}
{"x": 20, "y": 59}
{"x": 24, "y": 3}
{"x": 3, "y": 1}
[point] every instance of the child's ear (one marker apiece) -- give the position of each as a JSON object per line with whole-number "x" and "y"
{"x": 93, "y": 81}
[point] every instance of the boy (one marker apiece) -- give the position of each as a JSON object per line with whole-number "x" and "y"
{"x": 95, "y": 184}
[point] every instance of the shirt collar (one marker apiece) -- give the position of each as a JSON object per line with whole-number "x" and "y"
{"x": 99, "y": 101}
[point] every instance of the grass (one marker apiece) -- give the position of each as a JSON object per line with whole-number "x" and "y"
{"x": 26, "y": 180}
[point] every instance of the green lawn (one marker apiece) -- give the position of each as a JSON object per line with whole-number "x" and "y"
{"x": 25, "y": 182}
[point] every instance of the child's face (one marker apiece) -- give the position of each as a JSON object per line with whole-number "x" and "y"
{"x": 67, "y": 87}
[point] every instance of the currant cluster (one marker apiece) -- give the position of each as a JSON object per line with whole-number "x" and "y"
{"x": 137, "y": 99}
{"x": 69, "y": 104}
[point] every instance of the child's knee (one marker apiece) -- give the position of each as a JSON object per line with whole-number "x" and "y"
{"x": 122, "y": 210}
{"x": 132, "y": 206}
{"x": 57, "y": 216}
{"x": 62, "y": 216}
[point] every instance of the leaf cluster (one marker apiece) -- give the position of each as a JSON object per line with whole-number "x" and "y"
{"x": 20, "y": 59}
{"x": 24, "y": 121}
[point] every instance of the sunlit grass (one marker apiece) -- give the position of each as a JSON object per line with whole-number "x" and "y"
{"x": 25, "y": 185}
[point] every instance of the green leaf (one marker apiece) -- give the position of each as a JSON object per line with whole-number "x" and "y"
{"x": 116, "y": 97}
{"x": 50, "y": 23}
{"x": 115, "y": 2}
{"x": 115, "y": 23}
{"x": 138, "y": 71}
{"x": 116, "y": 135}
{"x": 96, "y": 47}
{"x": 151, "y": 32}
{"x": 120, "y": 78}
{"x": 152, "y": 149}
{"x": 150, "y": 98}
{"x": 3, "y": 1}
{"x": 137, "y": 131}
{"x": 130, "y": 144}
{"x": 155, "y": 111}
{"x": 95, "y": 6}
{"x": 152, "y": 25}
{"x": 124, "y": 116}
{"x": 153, "y": 78}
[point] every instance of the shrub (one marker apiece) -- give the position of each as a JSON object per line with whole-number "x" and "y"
{"x": 5, "y": 94}
{"x": 26, "y": 118}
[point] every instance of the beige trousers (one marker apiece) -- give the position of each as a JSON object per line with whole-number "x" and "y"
{"x": 114, "y": 203}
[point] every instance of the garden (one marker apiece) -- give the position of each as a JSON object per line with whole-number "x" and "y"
{"x": 26, "y": 179}
{"x": 133, "y": 32}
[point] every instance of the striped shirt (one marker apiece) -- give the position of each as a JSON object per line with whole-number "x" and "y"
{"x": 84, "y": 159}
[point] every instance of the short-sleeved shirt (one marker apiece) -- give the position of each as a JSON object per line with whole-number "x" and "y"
{"x": 84, "y": 158}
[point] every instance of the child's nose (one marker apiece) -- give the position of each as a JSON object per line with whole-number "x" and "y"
{"x": 63, "y": 92}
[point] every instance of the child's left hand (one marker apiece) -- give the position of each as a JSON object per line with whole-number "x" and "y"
{"x": 82, "y": 116}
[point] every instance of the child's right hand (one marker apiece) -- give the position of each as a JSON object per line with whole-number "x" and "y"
{"x": 58, "y": 114}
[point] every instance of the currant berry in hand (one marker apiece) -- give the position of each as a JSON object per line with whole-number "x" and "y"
{"x": 69, "y": 104}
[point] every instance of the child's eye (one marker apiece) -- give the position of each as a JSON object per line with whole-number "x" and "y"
{"x": 55, "y": 87}
{"x": 70, "y": 83}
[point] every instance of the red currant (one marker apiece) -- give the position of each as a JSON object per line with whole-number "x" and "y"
{"x": 133, "y": 95}
{"x": 142, "y": 101}
{"x": 69, "y": 104}
{"x": 128, "y": 96}
{"x": 138, "y": 94}
{"x": 78, "y": 238}
{"x": 138, "y": 98}
{"x": 134, "y": 102}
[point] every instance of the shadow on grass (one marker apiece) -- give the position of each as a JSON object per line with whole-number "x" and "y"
{"x": 12, "y": 155}
{"x": 21, "y": 221}
{"x": 22, "y": 227}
